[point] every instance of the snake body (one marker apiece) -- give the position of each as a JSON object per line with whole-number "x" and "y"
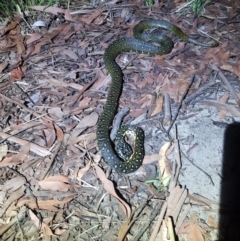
{"x": 140, "y": 43}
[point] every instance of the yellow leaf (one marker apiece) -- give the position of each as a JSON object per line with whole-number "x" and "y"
{"x": 158, "y": 107}
{"x": 165, "y": 165}
{"x": 3, "y": 151}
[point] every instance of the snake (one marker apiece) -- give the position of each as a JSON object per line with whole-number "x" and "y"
{"x": 121, "y": 156}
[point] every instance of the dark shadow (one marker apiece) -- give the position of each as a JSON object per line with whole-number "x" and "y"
{"x": 230, "y": 187}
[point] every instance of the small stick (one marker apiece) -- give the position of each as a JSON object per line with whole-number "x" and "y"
{"x": 20, "y": 216}
{"x": 167, "y": 110}
{"x": 226, "y": 82}
{"x": 184, "y": 6}
{"x": 199, "y": 168}
{"x": 179, "y": 106}
{"x": 202, "y": 89}
{"x": 158, "y": 223}
{"x": 49, "y": 165}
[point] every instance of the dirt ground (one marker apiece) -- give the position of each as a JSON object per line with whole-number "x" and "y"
{"x": 53, "y": 86}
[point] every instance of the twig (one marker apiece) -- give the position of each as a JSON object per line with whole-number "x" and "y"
{"x": 170, "y": 229}
{"x": 201, "y": 90}
{"x": 128, "y": 224}
{"x": 175, "y": 201}
{"x": 25, "y": 93}
{"x": 182, "y": 217}
{"x": 167, "y": 110}
{"x": 199, "y": 168}
{"x": 154, "y": 213}
{"x": 44, "y": 174}
{"x": 176, "y": 53}
{"x": 85, "y": 87}
{"x": 226, "y": 82}
{"x": 177, "y": 162}
{"x": 25, "y": 108}
{"x": 33, "y": 147}
{"x": 179, "y": 106}
{"x": 18, "y": 104}
{"x": 233, "y": 110}
{"x": 184, "y": 6}
{"x": 12, "y": 198}
{"x": 19, "y": 217}
{"x": 18, "y": 132}
{"x": 158, "y": 223}
{"x": 206, "y": 34}
{"x": 28, "y": 184}
{"x": 4, "y": 85}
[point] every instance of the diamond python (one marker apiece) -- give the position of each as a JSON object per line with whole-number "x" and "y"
{"x": 123, "y": 159}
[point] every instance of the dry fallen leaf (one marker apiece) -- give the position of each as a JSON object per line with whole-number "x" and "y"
{"x": 54, "y": 10}
{"x": 109, "y": 187}
{"x": 88, "y": 120}
{"x": 3, "y": 151}
{"x": 230, "y": 109}
{"x": 50, "y": 136}
{"x": 8, "y": 28}
{"x": 147, "y": 100}
{"x": 88, "y": 19}
{"x": 59, "y": 132}
{"x": 150, "y": 158}
{"x": 50, "y": 204}
{"x": 213, "y": 223}
{"x": 21, "y": 156}
{"x": 195, "y": 233}
{"x": 15, "y": 159}
{"x": 83, "y": 171}
{"x": 158, "y": 107}
{"x": 2, "y": 197}
{"x": 13, "y": 184}
{"x": 13, "y": 198}
{"x": 55, "y": 113}
{"x": 124, "y": 229}
{"x": 56, "y": 183}
{"x": 70, "y": 54}
{"x": 16, "y": 74}
{"x": 165, "y": 165}
{"x": 40, "y": 225}
{"x": 84, "y": 137}
{"x": 232, "y": 67}
{"x": 62, "y": 229}
{"x": 223, "y": 55}
{"x": 163, "y": 233}
{"x": 192, "y": 229}
{"x": 3, "y": 65}
{"x": 176, "y": 200}
{"x": 62, "y": 84}
{"x": 224, "y": 98}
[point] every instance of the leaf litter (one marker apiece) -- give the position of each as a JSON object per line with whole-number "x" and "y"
{"x": 53, "y": 88}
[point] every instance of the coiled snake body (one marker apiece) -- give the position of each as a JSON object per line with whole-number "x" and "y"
{"x": 138, "y": 44}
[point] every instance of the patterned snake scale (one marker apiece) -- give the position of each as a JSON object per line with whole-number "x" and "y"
{"x": 140, "y": 43}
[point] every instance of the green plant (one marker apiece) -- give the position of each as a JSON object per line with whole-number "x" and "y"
{"x": 148, "y": 2}
{"x": 8, "y": 8}
{"x": 160, "y": 184}
{"x": 198, "y": 5}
